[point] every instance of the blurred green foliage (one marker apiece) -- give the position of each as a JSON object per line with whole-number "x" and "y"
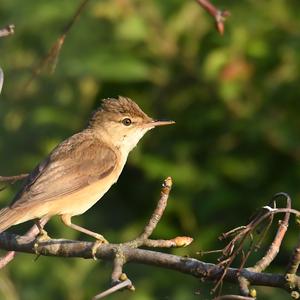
{"x": 236, "y": 142}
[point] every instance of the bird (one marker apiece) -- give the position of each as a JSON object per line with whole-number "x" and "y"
{"x": 81, "y": 169}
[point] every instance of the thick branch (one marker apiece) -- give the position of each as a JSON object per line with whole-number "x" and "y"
{"x": 190, "y": 266}
{"x": 30, "y": 235}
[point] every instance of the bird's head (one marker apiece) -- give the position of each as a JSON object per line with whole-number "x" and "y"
{"x": 123, "y": 122}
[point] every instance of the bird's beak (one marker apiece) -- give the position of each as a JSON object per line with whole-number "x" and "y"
{"x": 155, "y": 123}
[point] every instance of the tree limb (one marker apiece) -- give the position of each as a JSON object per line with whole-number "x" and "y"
{"x": 121, "y": 254}
{"x": 190, "y": 266}
{"x": 30, "y": 235}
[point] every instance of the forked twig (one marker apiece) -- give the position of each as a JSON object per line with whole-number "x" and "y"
{"x": 117, "y": 276}
{"x": 143, "y": 238}
{"x": 219, "y": 15}
{"x": 235, "y": 246}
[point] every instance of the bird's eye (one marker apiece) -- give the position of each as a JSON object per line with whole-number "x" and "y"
{"x": 126, "y": 121}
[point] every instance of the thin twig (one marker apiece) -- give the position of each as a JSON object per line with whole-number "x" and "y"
{"x": 202, "y": 253}
{"x": 273, "y": 250}
{"x": 143, "y": 238}
{"x": 219, "y": 15}
{"x": 158, "y": 212}
{"x": 233, "y": 297}
{"x": 235, "y": 246}
{"x": 231, "y": 232}
{"x": 117, "y": 287}
{"x": 118, "y": 263}
{"x": 294, "y": 260}
{"x": 179, "y": 241}
{"x": 13, "y": 178}
{"x": 7, "y": 258}
{"x": 1, "y": 79}
{"x": 51, "y": 57}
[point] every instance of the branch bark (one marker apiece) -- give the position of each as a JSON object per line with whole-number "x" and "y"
{"x": 190, "y": 266}
{"x": 121, "y": 254}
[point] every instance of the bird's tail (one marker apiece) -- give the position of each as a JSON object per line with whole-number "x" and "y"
{"x": 8, "y": 217}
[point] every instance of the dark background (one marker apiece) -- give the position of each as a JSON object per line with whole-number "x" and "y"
{"x": 235, "y": 100}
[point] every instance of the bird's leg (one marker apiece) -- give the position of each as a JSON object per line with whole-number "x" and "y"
{"x": 41, "y": 237}
{"x": 66, "y": 219}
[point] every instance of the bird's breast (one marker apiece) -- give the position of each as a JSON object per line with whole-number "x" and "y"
{"x": 79, "y": 202}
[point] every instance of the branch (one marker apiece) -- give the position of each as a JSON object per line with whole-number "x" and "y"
{"x": 273, "y": 250}
{"x": 219, "y": 15}
{"x": 10, "y": 179}
{"x": 30, "y": 235}
{"x": 117, "y": 276}
{"x": 13, "y": 179}
{"x": 241, "y": 234}
{"x": 1, "y": 79}
{"x": 125, "y": 284}
{"x": 115, "y": 253}
{"x": 190, "y": 266}
{"x": 294, "y": 260}
{"x": 233, "y": 297}
{"x": 143, "y": 239}
{"x": 51, "y": 57}
{"x": 121, "y": 254}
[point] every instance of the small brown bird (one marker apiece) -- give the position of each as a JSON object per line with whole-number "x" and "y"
{"x": 80, "y": 170}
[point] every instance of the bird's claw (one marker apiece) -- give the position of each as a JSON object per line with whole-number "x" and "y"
{"x": 100, "y": 240}
{"x": 41, "y": 237}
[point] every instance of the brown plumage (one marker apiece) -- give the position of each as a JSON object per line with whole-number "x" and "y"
{"x": 75, "y": 164}
{"x": 112, "y": 107}
{"x": 80, "y": 170}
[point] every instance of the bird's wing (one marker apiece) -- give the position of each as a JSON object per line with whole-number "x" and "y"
{"x": 74, "y": 164}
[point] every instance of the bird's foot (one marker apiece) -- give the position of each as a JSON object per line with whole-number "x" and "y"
{"x": 100, "y": 240}
{"x": 41, "y": 237}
